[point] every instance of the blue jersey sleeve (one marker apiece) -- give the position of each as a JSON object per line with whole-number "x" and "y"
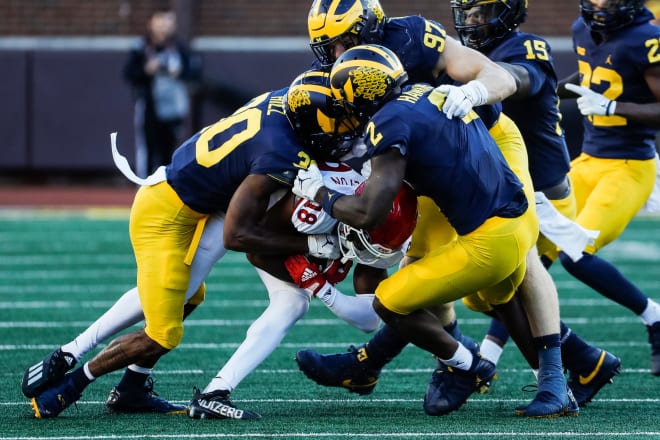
{"x": 418, "y": 43}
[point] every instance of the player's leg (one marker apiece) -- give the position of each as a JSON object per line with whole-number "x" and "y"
{"x": 609, "y": 194}
{"x": 162, "y": 302}
{"x": 358, "y": 369}
{"x": 287, "y": 304}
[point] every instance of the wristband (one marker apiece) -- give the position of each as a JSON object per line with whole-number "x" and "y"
{"x": 611, "y": 107}
{"x": 329, "y": 200}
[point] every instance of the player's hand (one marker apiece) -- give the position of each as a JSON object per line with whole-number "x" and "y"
{"x": 305, "y": 274}
{"x": 308, "y": 182}
{"x": 590, "y": 102}
{"x": 460, "y": 100}
{"x": 337, "y": 271}
{"x": 323, "y": 246}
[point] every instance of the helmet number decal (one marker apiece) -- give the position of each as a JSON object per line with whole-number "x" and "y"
{"x": 654, "y": 53}
{"x": 434, "y": 36}
{"x": 598, "y": 76}
{"x": 536, "y": 50}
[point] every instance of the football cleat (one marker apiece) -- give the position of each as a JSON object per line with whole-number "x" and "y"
{"x": 654, "y": 340}
{"x": 346, "y": 370}
{"x": 585, "y": 385}
{"x": 47, "y": 372}
{"x": 54, "y": 400}
{"x": 141, "y": 401}
{"x": 217, "y": 405}
{"x": 450, "y": 387}
{"x": 548, "y": 405}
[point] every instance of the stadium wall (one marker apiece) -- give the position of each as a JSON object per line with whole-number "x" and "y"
{"x": 61, "y": 98}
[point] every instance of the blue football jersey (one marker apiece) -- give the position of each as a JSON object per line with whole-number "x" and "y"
{"x": 418, "y": 43}
{"x": 537, "y": 116}
{"x": 615, "y": 68}
{"x": 455, "y": 161}
{"x": 207, "y": 169}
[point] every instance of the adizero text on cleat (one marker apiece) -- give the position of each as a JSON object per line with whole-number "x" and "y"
{"x": 47, "y": 372}
{"x": 141, "y": 401}
{"x": 585, "y": 385}
{"x": 349, "y": 370}
{"x": 217, "y": 405}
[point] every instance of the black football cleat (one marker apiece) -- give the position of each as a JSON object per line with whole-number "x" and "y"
{"x": 144, "y": 400}
{"x": 217, "y": 405}
{"x": 46, "y": 373}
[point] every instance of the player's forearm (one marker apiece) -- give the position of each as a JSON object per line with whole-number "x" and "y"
{"x": 499, "y": 83}
{"x": 648, "y": 114}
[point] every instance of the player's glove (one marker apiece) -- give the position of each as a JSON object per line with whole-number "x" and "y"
{"x": 308, "y": 182}
{"x": 306, "y": 274}
{"x": 460, "y": 100}
{"x": 323, "y": 246}
{"x": 337, "y": 270}
{"x": 592, "y": 103}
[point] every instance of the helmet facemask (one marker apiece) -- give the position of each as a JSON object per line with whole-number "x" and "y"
{"x": 480, "y": 23}
{"x": 385, "y": 245}
{"x": 616, "y": 15}
{"x": 312, "y": 113}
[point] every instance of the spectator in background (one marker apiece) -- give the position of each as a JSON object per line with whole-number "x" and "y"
{"x": 160, "y": 68}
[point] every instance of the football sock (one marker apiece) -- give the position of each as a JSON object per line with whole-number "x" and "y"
{"x": 218, "y": 383}
{"x": 651, "y": 313}
{"x": 124, "y": 313}
{"x": 384, "y": 346}
{"x": 134, "y": 378}
{"x": 606, "y": 279}
{"x": 82, "y": 377}
{"x": 462, "y": 358}
{"x": 491, "y": 350}
{"x": 354, "y": 309}
{"x": 577, "y": 354}
{"x": 456, "y": 333}
{"x": 498, "y": 331}
{"x": 550, "y": 375}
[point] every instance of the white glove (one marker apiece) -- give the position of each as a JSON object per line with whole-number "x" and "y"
{"x": 323, "y": 246}
{"x": 308, "y": 182}
{"x": 592, "y": 103}
{"x": 460, "y": 100}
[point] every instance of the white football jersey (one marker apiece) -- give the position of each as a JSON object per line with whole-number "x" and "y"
{"x": 308, "y": 217}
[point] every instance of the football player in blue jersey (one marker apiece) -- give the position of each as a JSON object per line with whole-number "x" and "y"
{"x": 492, "y": 28}
{"x": 234, "y": 167}
{"x": 618, "y": 84}
{"x": 422, "y": 45}
{"x": 407, "y": 138}
{"x": 335, "y": 26}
